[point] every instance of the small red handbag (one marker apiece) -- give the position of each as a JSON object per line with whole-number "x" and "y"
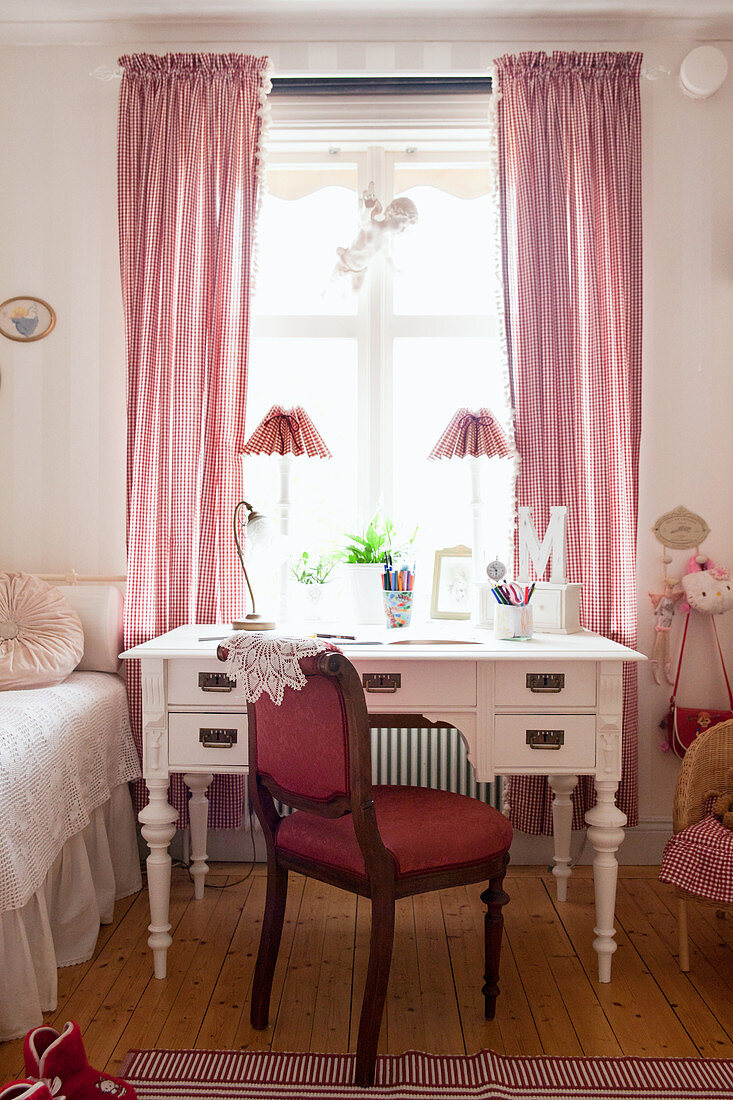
{"x": 684, "y": 724}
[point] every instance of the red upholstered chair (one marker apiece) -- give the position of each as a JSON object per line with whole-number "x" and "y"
{"x": 383, "y": 842}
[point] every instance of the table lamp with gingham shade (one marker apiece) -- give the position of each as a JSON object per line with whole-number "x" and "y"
{"x": 473, "y": 435}
{"x": 287, "y": 433}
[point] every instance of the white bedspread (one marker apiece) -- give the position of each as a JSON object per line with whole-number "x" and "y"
{"x": 63, "y": 750}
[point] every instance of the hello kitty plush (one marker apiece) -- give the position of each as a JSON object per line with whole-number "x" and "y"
{"x": 707, "y": 587}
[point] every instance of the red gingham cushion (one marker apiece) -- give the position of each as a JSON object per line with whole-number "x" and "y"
{"x": 425, "y": 830}
{"x": 700, "y": 861}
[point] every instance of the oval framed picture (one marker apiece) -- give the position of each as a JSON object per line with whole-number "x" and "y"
{"x": 680, "y": 529}
{"x": 26, "y": 318}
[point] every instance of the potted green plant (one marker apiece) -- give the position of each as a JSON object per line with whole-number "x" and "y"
{"x": 364, "y": 556}
{"x": 312, "y": 574}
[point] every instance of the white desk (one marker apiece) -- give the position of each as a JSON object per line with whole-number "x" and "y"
{"x": 549, "y": 706}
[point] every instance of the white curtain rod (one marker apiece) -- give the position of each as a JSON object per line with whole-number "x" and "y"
{"x": 104, "y": 72}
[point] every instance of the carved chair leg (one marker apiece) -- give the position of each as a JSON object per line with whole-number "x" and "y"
{"x": 272, "y": 926}
{"x": 375, "y": 989}
{"x": 494, "y": 899}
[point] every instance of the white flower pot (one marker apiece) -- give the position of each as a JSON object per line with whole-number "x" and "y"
{"x": 365, "y": 583}
{"x": 311, "y": 599}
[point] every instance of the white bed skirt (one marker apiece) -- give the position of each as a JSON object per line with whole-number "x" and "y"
{"x": 60, "y": 923}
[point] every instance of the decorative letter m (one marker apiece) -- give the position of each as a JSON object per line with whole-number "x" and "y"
{"x": 553, "y": 545}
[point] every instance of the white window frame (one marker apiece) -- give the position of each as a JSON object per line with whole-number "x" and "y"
{"x": 375, "y": 326}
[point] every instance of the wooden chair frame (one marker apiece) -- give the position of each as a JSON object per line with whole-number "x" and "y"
{"x": 380, "y": 885}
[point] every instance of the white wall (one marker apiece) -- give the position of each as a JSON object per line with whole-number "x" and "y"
{"x": 62, "y": 415}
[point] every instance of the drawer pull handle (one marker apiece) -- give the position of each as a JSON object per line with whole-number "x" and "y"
{"x": 545, "y": 739}
{"x": 215, "y": 681}
{"x": 384, "y": 682}
{"x": 545, "y": 683}
{"x": 217, "y": 738}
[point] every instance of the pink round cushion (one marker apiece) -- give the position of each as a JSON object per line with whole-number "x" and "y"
{"x": 41, "y": 637}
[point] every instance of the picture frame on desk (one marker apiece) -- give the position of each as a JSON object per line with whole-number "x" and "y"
{"x": 452, "y": 576}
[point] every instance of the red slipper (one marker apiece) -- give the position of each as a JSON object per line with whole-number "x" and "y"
{"x": 49, "y": 1056}
{"x": 26, "y": 1090}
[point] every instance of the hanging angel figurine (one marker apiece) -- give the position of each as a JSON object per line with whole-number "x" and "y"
{"x": 664, "y": 604}
{"x": 377, "y": 229}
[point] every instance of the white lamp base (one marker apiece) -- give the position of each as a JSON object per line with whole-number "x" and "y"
{"x": 254, "y": 622}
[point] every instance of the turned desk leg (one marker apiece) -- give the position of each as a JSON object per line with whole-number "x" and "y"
{"x": 606, "y": 833}
{"x": 562, "y": 787}
{"x": 506, "y": 795}
{"x": 158, "y": 820}
{"x": 198, "y": 814}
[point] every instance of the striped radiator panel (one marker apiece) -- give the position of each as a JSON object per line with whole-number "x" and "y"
{"x": 434, "y": 757}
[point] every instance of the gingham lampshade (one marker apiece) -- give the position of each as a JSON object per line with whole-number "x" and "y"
{"x": 286, "y": 432}
{"x": 471, "y": 435}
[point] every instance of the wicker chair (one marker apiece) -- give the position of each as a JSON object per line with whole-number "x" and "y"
{"x": 698, "y": 859}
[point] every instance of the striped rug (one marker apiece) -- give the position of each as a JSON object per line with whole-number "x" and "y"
{"x": 266, "y": 1075}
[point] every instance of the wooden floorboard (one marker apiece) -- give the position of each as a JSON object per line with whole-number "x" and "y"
{"x": 642, "y": 1019}
{"x": 550, "y": 1000}
{"x": 642, "y": 914}
{"x": 536, "y": 936}
{"x": 231, "y": 991}
{"x": 440, "y": 1009}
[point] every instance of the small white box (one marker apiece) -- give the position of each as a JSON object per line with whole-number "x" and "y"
{"x": 556, "y": 607}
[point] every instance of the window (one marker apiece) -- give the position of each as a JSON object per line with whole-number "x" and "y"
{"x": 380, "y": 371}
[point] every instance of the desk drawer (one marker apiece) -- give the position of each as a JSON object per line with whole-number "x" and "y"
{"x": 575, "y": 732}
{"x": 202, "y": 683}
{"x": 422, "y": 684}
{"x": 208, "y": 740}
{"x": 545, "y": 684}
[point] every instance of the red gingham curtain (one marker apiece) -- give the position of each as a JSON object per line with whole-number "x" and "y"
{"x": 570, "y": 209}
{"x": 188, "y": 141}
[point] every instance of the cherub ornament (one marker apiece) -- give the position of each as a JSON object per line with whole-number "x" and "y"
{"x": 377, "y": 230}
{"x": 664, "y": 607}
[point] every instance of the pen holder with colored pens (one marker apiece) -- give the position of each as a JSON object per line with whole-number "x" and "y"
{"x": 397, "y": 585}
{"x": 512, "y": 623}
{"x": 398, "y": 608}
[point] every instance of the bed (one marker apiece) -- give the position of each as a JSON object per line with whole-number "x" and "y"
{"x": 68, "y": 845}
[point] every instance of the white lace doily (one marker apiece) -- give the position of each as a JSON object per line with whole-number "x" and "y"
{"x": 260, "y": 662}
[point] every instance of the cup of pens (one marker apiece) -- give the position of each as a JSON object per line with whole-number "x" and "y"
{"x": 513, "y": 619}
{"x": 397, "y": 585}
